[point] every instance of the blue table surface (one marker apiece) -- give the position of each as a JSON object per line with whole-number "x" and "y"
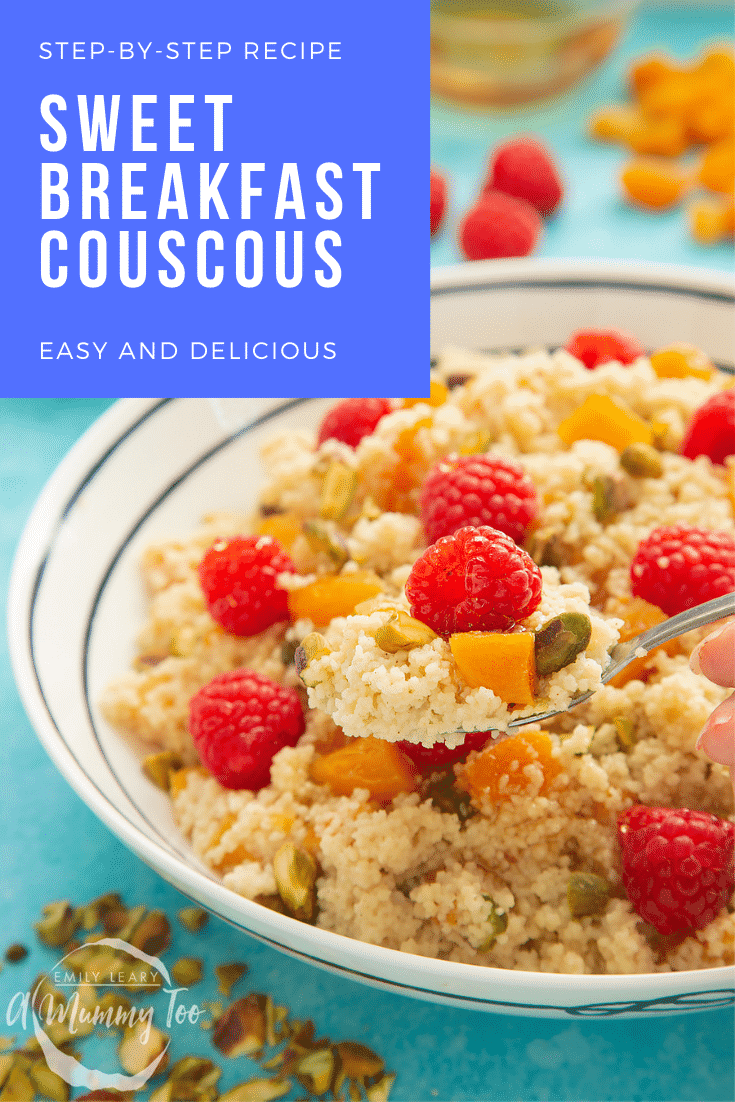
{"x": 54, "y": 848}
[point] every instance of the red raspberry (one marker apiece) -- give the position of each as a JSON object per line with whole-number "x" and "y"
{"x": 679, "y": 566}
{"x": 432, "y": 757}
{"x": 477, "y": 579}
{"x": 239, "y": 721}
{"x": 499, "y": 225}
{"x": 677, "y": 865}
{"x": 438, "y": 200}
{"x": 351, "y": 419}
{"x": 238, "y": 577}
{"x": 601, "y": 346}
{"x": 523, "y": 168}
{"x": 477, "y": 489}
{"x": 711, "y": 430}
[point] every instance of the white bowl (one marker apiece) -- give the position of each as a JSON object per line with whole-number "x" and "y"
{"x": 150, "y": 468}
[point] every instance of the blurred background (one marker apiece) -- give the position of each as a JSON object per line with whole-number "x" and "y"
{"x": 633, "y": 102}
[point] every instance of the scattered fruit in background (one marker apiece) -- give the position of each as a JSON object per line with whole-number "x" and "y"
{"x": 522, "y": 185}
{"x": 679, "y": 566}
{"x": 524, "y": 169}
{"x": 677, "y": 108}
{"x": 438, "y": 200}
{"x": 499, "y": 225}
{"x": 602, "y": 346}
{"x": 654, "y": 183}
{"x": 677, "y": 865}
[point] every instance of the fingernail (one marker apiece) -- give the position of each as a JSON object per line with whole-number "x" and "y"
{"x": 716, "y": 739}
{"x": 694, "y": 663}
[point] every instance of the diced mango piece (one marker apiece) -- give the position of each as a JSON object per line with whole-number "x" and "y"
{"x": 438, "y": 395}
{"x": 679, "y": 361}
{"x": 654, "y": 184}
{"x": 502, "y": 663}
{"x": 498, "y": 771}
{"x": 710, "y": 219}
{"x": 284, "y": 527}
{"x": 327, "y": 597}
{"x": 370, "y": 763}
{"x": 601, "y": 418}
{"x": 639, "y": 616}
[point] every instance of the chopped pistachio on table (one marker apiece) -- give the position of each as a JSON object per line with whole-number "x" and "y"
{"x": 290, "y": 1056}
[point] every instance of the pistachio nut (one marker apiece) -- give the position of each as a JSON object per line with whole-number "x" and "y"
{"x": 295, "y": 873}
{"x": 187, "y": 971}
{"x": 625, "y": 733}
{"x": 359, "y": 1061}
{"x": 257, "y": 1090}
{"x": 610, "y": 496}
{"x": 324, "y": 541}
{"x": 228, "y": 975}
{"x": 18, "y": 1086}
{"x": 15, "y": 953}
{"x": 497, "y": 921}
{"x": 441, "y": 788}
{"x": 546, "y": 548}
{"x": 193, "y": 919}
{"x": 312, "y": 646}
{"x": 152, "y": 934}
{"x": 240, "y": 1030}
{"x": 194, "y": 1077}
{"x": 380, "y": 1091}
{"x": 48, "y": 1083}
{"x": 136, "y": 1054}
{"x": 288, "y": 652}
{"x": 58, "y": 924}
{"x": 338, "y": 490}
{"x": 316, "y": 1070}
{"x": 158, "y": 767}
{"x": 475, "y": 443}
{"x": 403, "y": 632}
{"x": 587, "y": 894}
{"x": 641, "y": 460}
{"x": 560, "y": 640}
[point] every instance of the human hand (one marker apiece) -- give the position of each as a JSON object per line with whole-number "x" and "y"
{"x": 715, "y": 658}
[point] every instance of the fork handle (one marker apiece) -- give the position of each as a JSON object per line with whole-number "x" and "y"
{"x": 691, "y": 618}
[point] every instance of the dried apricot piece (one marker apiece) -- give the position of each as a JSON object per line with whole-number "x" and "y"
{"x": 664, "y": 136}
{"x": 501, "y": 769}
{"x": 370, "y": 763}
{"x": 331, "y": 596}
{"x": 601, "y": 418}
{"x": 650, "y": 70}
{"x": 639, "y": 616}
{"x": 717, "y": 170}
{"x": 499, "y": 662}
{"x": 711, "y": 119}
{"x": 615, "y": 123}
{"x": 654, "y": 184}
{"x": 709, "y": 219}
{"x": 284, "y": 527}
{"x": 438, "y": 395}
{"x": 681, "y": 361}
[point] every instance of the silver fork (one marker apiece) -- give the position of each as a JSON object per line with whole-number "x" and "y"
{"x": 624, "y": 653}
